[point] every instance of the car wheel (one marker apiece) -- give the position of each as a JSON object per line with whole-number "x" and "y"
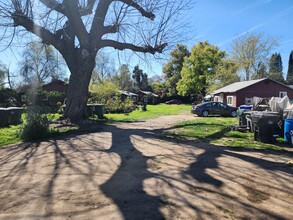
{"x": 205, "y": 113}
{"x": 233, "y": 114}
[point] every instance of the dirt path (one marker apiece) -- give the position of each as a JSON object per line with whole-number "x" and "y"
{"x": 128, "y": 171}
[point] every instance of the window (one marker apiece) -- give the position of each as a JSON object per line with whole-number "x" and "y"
{"x": 282, "y": 94}
{"x": 248, "y": 101}
{"x": 230, "y": 100}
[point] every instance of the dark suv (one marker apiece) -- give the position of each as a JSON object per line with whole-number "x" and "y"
{"x": 214, "y": 108}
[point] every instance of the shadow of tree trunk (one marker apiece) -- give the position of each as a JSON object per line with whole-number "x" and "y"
{"x": 125, "y": 187}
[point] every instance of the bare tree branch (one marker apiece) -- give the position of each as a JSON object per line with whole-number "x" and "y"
{"x": 54, "y": 5}
{"x": 123, "y": 46}
{"x": 47, "y": 37}
{"x": 74, "y": 17}
{"x": 143, "y": 12}
{"x": 88, "y": 9}
{"x": 100, "y": 15}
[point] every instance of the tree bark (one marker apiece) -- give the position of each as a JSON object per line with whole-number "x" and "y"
{"x": 77, "y": 92}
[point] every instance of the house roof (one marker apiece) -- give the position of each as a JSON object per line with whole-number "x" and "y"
{"x": 149, "y": 93}
{"x": 127, "y": 93}
{"x": 234, "y": 87}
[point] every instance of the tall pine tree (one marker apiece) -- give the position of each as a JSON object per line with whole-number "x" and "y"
{"x": 276, "y": 68}
{"x": 289, "y": 78}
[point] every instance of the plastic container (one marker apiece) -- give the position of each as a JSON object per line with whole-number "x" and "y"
{"x": 99, "y": 110}
{"x": 288, "y": 130}
{"x": 245, "y": 107}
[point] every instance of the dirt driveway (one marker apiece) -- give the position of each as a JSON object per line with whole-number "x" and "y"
{"x": 129, "y": 171}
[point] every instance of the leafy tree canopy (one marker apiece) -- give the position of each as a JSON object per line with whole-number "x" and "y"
{"x": 225, "y": 74}
{"x": 199, "y": 68}
{"x": 173, "y": 67}
{"x": 123, "y": 78}
{"x": 261, "y": 72}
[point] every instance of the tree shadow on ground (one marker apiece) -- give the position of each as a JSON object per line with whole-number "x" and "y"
{"x": 177, "y": 193}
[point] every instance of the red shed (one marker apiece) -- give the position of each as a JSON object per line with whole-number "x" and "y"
{"x": 56, "y": 85}
{"x": 240, "y": 93}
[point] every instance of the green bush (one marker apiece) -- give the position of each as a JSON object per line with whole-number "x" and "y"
{"x": 46, "y": 99}
{"x": 117, "y": 105}
{"x": 36, "y": 124}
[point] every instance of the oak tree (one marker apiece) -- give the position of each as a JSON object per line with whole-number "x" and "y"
{"x": 79, "y": 29}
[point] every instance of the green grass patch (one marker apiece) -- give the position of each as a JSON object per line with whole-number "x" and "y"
{"x": 153, "y": 111}
{"x": 9, "y": 135}
{"x": 217, "y": 131}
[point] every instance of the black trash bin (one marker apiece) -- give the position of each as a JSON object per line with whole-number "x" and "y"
{"x": 267, "y": 127}
{"x": 99, "y": 111}
{"x": 4, "y": 117}
{"x": 10, "y": 116}
{"x": 15, "y": 115}
{"x": 95, "y": 109}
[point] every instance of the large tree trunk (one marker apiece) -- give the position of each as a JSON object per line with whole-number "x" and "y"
{"x": 77, "y": 92}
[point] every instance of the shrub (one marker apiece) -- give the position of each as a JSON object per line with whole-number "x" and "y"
{"x": 45, "y": 99}
{"x": 117, "y": 105}
{"x": 36, "y": 124}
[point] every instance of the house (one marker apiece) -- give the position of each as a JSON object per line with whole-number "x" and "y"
{"x": 48, "y": 95}
{"x": 240, "y": 93}
{"x": 148, "y": 97}
{"x": 56, "y": 86}
{"x": 130, "y": 95}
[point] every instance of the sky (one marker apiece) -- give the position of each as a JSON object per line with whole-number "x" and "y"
{"x": 222, "y": 21}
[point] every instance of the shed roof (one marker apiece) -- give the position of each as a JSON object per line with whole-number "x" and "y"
{"x": 234, "y": 87}
{"x": 127, "y": 93}
{"x": 149, "y": 93}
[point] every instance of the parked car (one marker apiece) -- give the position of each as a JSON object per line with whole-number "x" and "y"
{"x": 173, "y": 101}
{"x": 214, "y": 108}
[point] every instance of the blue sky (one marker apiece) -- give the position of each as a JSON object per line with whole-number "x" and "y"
{"x": 221, "y": 21}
